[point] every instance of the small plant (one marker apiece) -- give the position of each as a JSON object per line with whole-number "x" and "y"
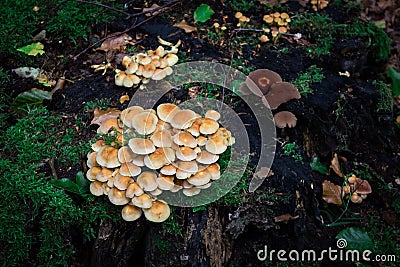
{"x": 304, "y": 80}
{"x": 385, "y": 102}
{"x": 101, "y": 103}
{"x": 203, "y": 13}
{"x": 292, "y": 150}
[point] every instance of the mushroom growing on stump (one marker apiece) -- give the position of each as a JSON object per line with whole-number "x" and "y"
{"x": 262, "y": 79}
{"x": 158, "y": 212}
{"x": 285, "y": 119}
{"x": 131, "y": 213}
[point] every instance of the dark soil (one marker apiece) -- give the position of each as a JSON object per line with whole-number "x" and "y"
{"x": 230, "y": 235}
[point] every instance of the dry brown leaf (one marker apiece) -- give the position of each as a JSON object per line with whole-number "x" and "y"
{"x": 184, "y": 26}
{"x": 149, "y": 9}
{"x": 264, "y": 172}
{"x": 117, "y": 43}
{"x": 331, "y": 193}
{"x": 335, "y": 165}
{"x": 102, "y": 115}
{"x": 285, "y": 218}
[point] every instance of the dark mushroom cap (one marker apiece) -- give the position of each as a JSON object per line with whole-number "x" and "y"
{"x": 279, "y": 93}
{"x": 285, "y": 119}
{"x": 262, "y": 79}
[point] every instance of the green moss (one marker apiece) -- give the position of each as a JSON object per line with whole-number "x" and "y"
{"x": 304, "y": 80}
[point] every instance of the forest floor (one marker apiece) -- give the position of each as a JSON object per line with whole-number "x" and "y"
{"x": 348, "y": 123}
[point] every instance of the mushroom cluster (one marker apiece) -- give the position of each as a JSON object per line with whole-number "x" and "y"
{"x": 242, "y": 19}
{"x": 153, "y": 64}
{"x": 315, "y": 4}
{"x": 268, "y": 85}
{"x": 357, "y": 189}
{"x": 167, "y": 149}
{"x": 278, "y": 23}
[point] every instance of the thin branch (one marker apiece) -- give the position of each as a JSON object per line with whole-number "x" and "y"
{"x": 153, "y": 11}
{"x": 105, "y": 6}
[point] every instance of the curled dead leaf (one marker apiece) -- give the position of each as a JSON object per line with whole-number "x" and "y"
{"x": 117, "y": 43}
{"x": 184, "y": 26}
{"x": 335, "y": 166}
{"x": 102, "y": 115}
{"x": 285, "y": 218}
{"x": 331, "y": 193}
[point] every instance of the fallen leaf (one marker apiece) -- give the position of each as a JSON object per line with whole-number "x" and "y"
{"x": 117, "y": 43}
{"x": 102, "y": 115}
{"x": 184, "y": 26}
{"x": 32, "y": 49}
{"x": 27, "y": 72}
{"x": 264, "y": 172}
{"x": 31, "y": 98}
{"x": 150, "y": 9}
{"x": 331, "y": 193}
{"x": 285, "y": 218}
{"x": 124, "y": 98}
{"x": 335, "y": 165}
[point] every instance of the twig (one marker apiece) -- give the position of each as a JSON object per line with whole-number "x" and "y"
{"x": 153, "y": 11}
{"x": 105, "y": 6}
{"x": 52, "y": 168}
{"x": 125, "y": 31}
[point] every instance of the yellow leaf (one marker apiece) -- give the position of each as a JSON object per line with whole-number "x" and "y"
{"x": 184, "y": 26}
{"x": 102, "y": 115}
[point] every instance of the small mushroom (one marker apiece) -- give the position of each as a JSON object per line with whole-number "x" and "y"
{"x": 97, "y": 145}
{"x": 161, "y": 138}
{"x": 96, "y": 188}
{"x": 160, "y": 157}
{"x": 117, "y": 197}
{"x": 143, "y": 201}
{"x": 212, "y": 114}
{"x": 185, "y": 153}
{"x": 200, "y": 178}
{"x": 133, "y": 190}
{"x": 168, "y": 170}
{"x": 191, "y": 191}
{"x": 147, "y": 181}
{"x": 205, "y": 157}
{"x": 125, "y": 154}
{"x": 184, "y": 139}
{"x": 216, "y": 145}
{"x": 362, "y": 187}
{"x": 144, "y": 122}
{"x": 183, "y": 119}
{"x": 285, "y": 119}
{"x": 208, "y": 126}
{"x": 141, "y": 146}
{"x": 158, "y": 212}
{"x": 107, "y": 156}
{"x": 107, "y": 125}
{"x": 131, "y": 213}
{"x": 167, "y": 111}
{"x": 91, "y": 160}
{"x": 262, "y": 79}
{"x": 279, "y": 93}
{"x": 190, "y": 167}
{"x": 131, "y": 68}
{"x": 201, "y": 140}
{"x": 214, "y": 170}
{"x": 172, "y": 59}
{"x": 92, "y": 173}
{"x": 159, "y": 74}
{"x": 148, "y": 70}
{"x": 104, "y": 175}
{"x": 128, "y": 113}
{"x": 194, "y": 129}
{"x": 165, "y": 182}
{"x": 119, "y": 78}
{"x": 121, "y": 182}
{"x": 125, "y": 61}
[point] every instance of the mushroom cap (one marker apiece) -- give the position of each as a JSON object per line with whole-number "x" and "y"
{"x": 119, "y": 78}
{"x": 160, "y": 51}
{"x": 158, "y": 212}
{"x": 194, "y": 129}
{"x": 205, "y": 157}
{"x": 165, "y": 182}
{"x": 176, "y": 188}
{"x": 125, "y": 154}
{"x": 125, "y": 61}
{"x": 143, "y": 201}
{"x": 91, "y": 159}
{"x": 96, "y": 188}
{"x": 141, "y": 146}
{"x": 148, "y": 70}
{"x": 208, "y": 126}
{"x": 117, "y": 197}
{"x": 214, "y": 170}
{"x": 262, "y": 79}
{"x": 362, "y": 187}
{"x": 130, "y": 80}
{"x": 190, "y": 167}
{"x": 285, "y": 119}
{"x": 185, "y": 153}
{"x": 133, "y": 190}
{"x": 161, "y": 138}
{"x": 131, "y": 213}
{"x": 212, "y": 114}
{"x": 201, "y": 140}
{"x": 97, "y": 145}
{"x": 167, "y": 111}
{"x": 144, "y": 122}
{"x": 107, "y": 156}
{"x": 131, "y": 68}
{"x": 156, "y": 192}
{"x": 172, "y": 59}
{"x": 200, "y": 178}
{"x": 107, "y": 125}
{"x": 121, "y": 182}
{"x": 106, "y": 188}
{"x": 138, "y": 160}
{"x": 159, "y": 74}
{"x": 168, "y": 170}
{"x": 185, "y": 139}
{"x": 183, "y": 119}
{"x": 207, "y": 185}
{"x": 110, "y": 182}
{"x": 191, "y": 191}
{"x": 160, "y": 157}
{"x": 92, "y": 173}
{"x": 129, "y": 169}
{"x": 216, "y": 145}
{"x": 104, "y": 175}
{"x": 143, "y": 58}
{"x": 147, "y": 181}
{"x": 279, "y": 93}
{"x": 238, "y": 15}
{"x": 128, "y": 113}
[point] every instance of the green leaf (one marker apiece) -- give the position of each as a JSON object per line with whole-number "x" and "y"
{"x": 316, "y": 165}
{"x": 356, "y": 238}
{"x": 202, "y": 13}
{"x": 82, "y": 183}
{"x": 32, "y": 49}
{"x": 395, "y": 76}
{"x": 66, "y": 184}
{"x": 31, "y": 98}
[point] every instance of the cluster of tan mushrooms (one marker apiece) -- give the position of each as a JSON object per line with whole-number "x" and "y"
{"x": 242, "y": 19}
{"x": 143, "y": 67}
{"x": 168, "y": 149}
{"x": 274, "y": 92}
{"x": 315, "y": 4}
{"x": 278, "y": 23}
{"x": 357, "y": 189}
